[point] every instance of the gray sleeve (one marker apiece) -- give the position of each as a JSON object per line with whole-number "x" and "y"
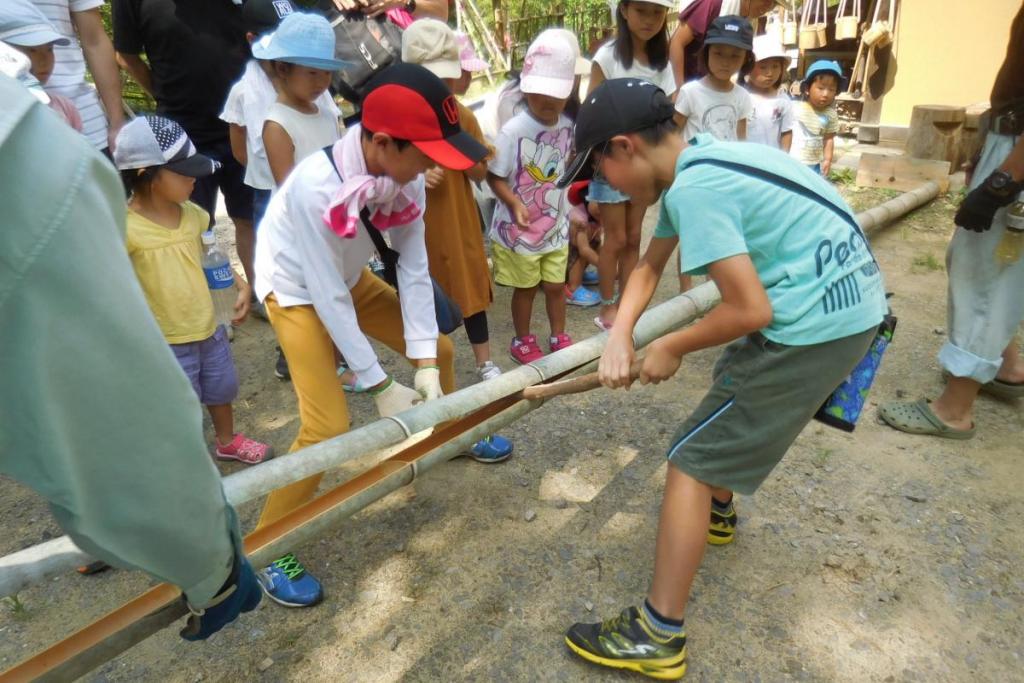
{"x": 98, "y": 417}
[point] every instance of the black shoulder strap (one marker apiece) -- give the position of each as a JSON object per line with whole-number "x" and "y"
{"x": 790, "y": 185}
{"x": 387, "y": 255}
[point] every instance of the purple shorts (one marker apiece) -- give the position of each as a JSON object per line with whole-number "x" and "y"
{"x": 210, "y": 368}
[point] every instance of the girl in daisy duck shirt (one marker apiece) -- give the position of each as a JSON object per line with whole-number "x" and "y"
{"x": 311, "y": 275}
{"x": 530, "y": 227}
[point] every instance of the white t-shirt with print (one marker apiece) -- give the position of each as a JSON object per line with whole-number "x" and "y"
{"x": 772, "y": 117}
{"x": 530, "y": 157}
{"x": 611, "y": 67}
{"x": 68, "y": 78}
{"x": 711, "y": 111}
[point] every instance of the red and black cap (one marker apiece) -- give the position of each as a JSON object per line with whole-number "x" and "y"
{"x": 408, "y": 102}
{"x": 616, "y": 107}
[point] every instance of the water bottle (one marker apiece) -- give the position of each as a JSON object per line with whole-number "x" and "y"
{"x": 220, "y": 280}
{"x": 843, "y": 407}
{"x": 1009, "y": 249}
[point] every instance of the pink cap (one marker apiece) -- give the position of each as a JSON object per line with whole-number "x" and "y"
{"x": 467, "y": 54}
{"x": 550, "y": 67}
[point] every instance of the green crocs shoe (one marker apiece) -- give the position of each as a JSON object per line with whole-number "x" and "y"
{"x": 627, "y": 642}
{"x": 722, "y": 528}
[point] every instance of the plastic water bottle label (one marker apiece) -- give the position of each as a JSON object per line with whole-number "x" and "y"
{"x": 220, "y": 277}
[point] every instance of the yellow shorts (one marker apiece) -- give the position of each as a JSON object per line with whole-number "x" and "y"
{"x": 524, "y": 271}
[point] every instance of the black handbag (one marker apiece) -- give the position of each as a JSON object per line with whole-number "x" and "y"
{"x": 449, "y": 315}
{"x": 366, "y": 45}
{"x": 447, "y": 312}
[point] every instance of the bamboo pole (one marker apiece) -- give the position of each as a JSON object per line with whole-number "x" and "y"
{"x": 45, "y": 560}
{"x": 159, "y": 607}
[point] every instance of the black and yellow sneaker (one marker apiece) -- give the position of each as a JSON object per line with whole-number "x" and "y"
{"x": 723, "y": 523}
{"x": 629, "y": 642}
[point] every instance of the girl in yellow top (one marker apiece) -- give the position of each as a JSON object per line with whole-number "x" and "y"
{"x": 159, "y": 165}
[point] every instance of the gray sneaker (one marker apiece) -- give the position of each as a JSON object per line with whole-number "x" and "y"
{"x": 487, "y": 370}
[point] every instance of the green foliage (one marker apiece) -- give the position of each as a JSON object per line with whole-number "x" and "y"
{"x": 926, "y": 262}
{"x": 843, "y": 176}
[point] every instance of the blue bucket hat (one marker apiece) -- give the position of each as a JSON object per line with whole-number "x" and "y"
{"x": 823, "y": 66}
{"x": 301, "y": 38}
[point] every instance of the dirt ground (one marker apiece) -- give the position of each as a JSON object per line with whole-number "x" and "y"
{"x": 877, "y": 556}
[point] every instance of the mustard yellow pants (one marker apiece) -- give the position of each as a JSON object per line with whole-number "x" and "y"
{"x": 323, "y": 412}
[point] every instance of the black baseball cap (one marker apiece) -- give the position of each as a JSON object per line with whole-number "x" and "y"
{"x": 263, "y": 16}
{"x": 730, "y": 30}
{"x": 617, "y": 106}
{"x": 408, "y": 102}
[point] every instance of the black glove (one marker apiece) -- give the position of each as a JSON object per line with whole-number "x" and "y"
{"x": 980, "y": 205}
{"x": 240, "y": 593}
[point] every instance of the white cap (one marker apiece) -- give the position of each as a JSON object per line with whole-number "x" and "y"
{"x": 769, "y": 47}
{"x": 17, "y": 66}
{"x": 550, "y": 67}
{"x": 431, "y": 44}
{"x": 582, "y": 63}
{"x": 150, "y": 140}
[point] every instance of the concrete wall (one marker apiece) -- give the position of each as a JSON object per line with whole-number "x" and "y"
{"x": 948, "y": 52}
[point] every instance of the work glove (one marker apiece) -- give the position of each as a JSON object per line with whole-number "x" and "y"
{"x": 240, "y": 593}
{"x": 980, "y": 205}
{"x": 427, "y": 381}
{"x": 393, "y": 398}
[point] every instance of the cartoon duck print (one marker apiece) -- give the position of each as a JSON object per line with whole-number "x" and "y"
{"x": 541, "y": 162}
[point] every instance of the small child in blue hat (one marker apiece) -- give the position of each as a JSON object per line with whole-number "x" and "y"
{"x": 302, "y": 51}
{"x": 816, "y": 119}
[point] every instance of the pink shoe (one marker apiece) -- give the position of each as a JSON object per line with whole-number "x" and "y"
{"x": 244, "y": 449}
{"x": 525, "y": 349}
{"x": 559, "y": 342}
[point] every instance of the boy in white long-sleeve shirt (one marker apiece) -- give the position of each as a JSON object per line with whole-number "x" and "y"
{"x": 311, "y": 274}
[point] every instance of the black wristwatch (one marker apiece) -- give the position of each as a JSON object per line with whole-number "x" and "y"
{"x": 410, "y": 6}
{"x": 1002, "y": 184}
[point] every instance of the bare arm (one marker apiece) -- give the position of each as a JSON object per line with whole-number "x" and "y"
{"x": 137, "y": 69}
{"x": 677, "y": 51}
{"x": 618, "y": 354}
{"x": 99, "y": 55}
{"x": 828, "y": 151}
{"x": 236, "y": 134}
{"x": 478, "y": 172}
{"x": 280, "y": 151}
{"x": 504, "y": 193}
{"x": 596, "y": 77}
{"x": 745, "y": 308}
{"x": 786, "y": 141}
{"x": 438, "y": 9}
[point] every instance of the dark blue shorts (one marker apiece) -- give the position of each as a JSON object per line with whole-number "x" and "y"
{"x": 210, "y": 368}
{"x": 229, "y": 179}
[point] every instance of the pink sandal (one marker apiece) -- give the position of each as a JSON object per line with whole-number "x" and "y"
{"x": 602, "y": 325}
{"x": 244, "y": 449}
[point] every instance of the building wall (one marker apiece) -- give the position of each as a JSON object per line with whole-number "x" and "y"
{"x": 948, "y": 52}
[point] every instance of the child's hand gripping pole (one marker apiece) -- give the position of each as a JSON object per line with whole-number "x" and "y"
{"x": 576, "y": 385}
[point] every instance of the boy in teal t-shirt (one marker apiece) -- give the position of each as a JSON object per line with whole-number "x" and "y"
{"x": 802, "y": 298}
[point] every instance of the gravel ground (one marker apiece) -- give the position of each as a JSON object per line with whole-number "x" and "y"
{"x": 876, "y": 556}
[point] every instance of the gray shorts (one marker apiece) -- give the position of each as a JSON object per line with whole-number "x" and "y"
{"x": 763, "y": 395}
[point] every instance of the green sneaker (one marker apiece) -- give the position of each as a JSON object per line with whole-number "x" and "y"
{"x": 629, "y": 642}
{"x": 722, "y": 528}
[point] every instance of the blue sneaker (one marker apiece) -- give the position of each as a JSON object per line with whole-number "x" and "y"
{"x": 582, "y": 297}
{"x": 286, "y": 582}
{"x": 491, "y": 449}
{"x": 590, "y": 277}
